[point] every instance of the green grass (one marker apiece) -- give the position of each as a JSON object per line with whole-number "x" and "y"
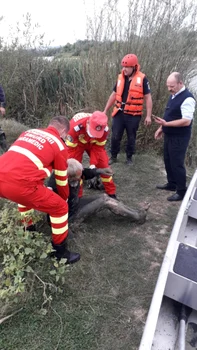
{"x": 106, "y": 295}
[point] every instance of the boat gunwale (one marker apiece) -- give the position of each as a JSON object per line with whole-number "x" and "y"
{"x": 154, "y": 309}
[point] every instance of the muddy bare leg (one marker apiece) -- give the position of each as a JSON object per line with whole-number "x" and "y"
{"x": 103, "y": 201}
{"x": 119, "y": 208}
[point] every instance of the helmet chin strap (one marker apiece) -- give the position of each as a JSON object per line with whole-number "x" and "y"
{"x": 134, "y": 71}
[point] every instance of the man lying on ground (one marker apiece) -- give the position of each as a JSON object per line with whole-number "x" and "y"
{"x": 83, "y": 207}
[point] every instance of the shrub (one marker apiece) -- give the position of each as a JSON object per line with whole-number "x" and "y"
{"x": 24, "y": 258}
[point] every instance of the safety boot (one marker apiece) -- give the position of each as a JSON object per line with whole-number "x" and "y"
{"x": 61, "y": 252}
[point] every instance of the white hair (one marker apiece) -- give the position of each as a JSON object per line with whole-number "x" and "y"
{"x": 74, "y": 167}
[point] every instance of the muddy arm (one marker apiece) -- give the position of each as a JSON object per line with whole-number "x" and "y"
{"x": 97, "y": 204}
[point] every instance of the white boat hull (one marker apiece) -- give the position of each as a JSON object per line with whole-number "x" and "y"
{"x": 176, "y": 285}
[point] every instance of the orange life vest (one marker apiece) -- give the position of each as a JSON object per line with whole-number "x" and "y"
{"x": 135, "y": 98}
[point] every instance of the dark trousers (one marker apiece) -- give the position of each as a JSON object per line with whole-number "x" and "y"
{"x": 3, "y": 143}
{"x": 121, "y": 122}
{"x": 175, "y": 148}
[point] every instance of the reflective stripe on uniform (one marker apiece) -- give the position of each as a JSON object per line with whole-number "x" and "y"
{"x": 63, "y": 174}
{"x": 99, "y": 143}
{"x": 61, "y": 182}
{"x": 106, "y": 179}
{"x": 31, "y": 157}
{"x": 83, "y": 141}
{"x": 59, "y": 231}
{"x": 55, "y": 220}
{"x": 60, "y": 172}
{"x": 70, "y": 144}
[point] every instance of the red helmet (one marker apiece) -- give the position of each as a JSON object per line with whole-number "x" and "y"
{"x": 129, "y": 60}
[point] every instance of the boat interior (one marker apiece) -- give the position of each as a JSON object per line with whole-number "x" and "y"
{"x": 172, "y": 320}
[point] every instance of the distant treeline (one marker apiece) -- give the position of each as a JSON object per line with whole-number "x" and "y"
{"x": 75, "y": 49}
{"x": 83, "y": 74}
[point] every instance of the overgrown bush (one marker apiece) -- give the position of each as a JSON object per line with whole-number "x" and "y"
{"x": 25, "y": 258}
{"x": 12, "y": 129}
{"x": 161, "y": 33}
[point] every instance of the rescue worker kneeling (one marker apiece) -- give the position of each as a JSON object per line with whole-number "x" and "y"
{"x": 88, "y": 134}
{"x": 23, "y": 169}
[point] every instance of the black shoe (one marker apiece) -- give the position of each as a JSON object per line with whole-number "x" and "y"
{"x": 61, "y": 252}
{"x": 71, "y": 257}
{"x": 112, "y": 160}
{"x": 129, "y": 161}
{"x": 166, "y": 187}
{"x": 175, "y": 198}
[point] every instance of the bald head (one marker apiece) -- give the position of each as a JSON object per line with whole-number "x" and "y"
{"x": 174, "y": 82}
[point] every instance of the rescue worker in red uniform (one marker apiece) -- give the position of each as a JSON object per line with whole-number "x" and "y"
{"x": 130, "y": 91}
{"x": 88, "y": 133}
{"x": 23, "y": 169}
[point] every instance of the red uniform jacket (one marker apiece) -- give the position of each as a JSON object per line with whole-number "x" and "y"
{"x": 78, "y": 137}
{"x": 33, "y": 156}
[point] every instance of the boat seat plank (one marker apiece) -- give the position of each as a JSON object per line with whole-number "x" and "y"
{"x": 186, "y": 262}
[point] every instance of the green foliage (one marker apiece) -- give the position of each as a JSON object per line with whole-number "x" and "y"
{"x": 83, "y": 74}
{"x": 24, "y": 257}
{"x": 12, "y": 129}
{"x": 162, "y": 34}
{"x": 191, "y": 157}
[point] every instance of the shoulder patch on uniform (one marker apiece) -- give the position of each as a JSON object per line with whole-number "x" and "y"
{"x": 69, "y": 138}
{"x": 77, "y": 128}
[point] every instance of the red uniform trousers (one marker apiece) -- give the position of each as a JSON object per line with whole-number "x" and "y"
{"x": 37, "y": 196}
{"x": 101, "y": 160}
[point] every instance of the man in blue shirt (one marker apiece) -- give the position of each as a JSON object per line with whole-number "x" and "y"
{"x": 176, "y": 127}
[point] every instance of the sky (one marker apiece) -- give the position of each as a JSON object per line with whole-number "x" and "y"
{"x": 62, "y": 21}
